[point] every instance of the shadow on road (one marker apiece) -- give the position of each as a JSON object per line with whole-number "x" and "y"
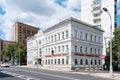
{"x": 2, "y": 75}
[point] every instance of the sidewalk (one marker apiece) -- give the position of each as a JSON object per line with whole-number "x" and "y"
{"x": 107, "y": 75}
{"x": 102, "y": 74}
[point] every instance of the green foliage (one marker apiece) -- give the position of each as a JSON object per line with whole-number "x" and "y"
{"x": 115, "y": 50}
{"x": 16, "y": 49}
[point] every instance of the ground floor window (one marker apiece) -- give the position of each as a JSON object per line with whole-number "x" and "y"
{"x": 86, "y": 61}
{"x": 81, "y": 62}
{"x": 46, "y": 62}
{"x": 95, "y": 62}
{"x": 55, "y": 61}
{"x": 62, "y": 61}
{"x": 91, "y": 62}
{"x": 58, "y": 61}
{"x": 49, "y": 61}
{"x": 99, "y": 62}
{"x": 76, "y": 62}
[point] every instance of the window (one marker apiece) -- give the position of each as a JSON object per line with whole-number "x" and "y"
{"x": 49, "y": 61}
{"x": 98, "y": 51}
{"x": 81, "y": 62}
{"x": 86, "y": 35}
{"x": 95, "y": 51}
{"x": 90, "y": 37}
{"x": 62, "y": 48}
{"x": 52, "y": 51}
{"x": 98, "y": 39}
{"x": 43, "y": 40}
{"x": 99, "y": 62}
{"x": 95, "y": 38}
{"x": 52, "y": 38}
{"x": 91, "y": 62}
{"x": 58, "y": 36}
{"x": 55, "y": 38}
{"x": 49, "y": 50}
{"x": 67, "y": 49}
{"x": 90, "y": 50}
{"x": 75, "y": 33}
{"x": 76, "y": 62}
{"x": 58, "y": 61}
{"x": 62, "y": 35}
{"x": 55, "y": 49}
{"x": 95, "y": 62}
{"x": 85, "y": 49}
{"x": 49, "y": 38}
{"x": 62, "y": 61}
{"x": 46, "y": 62}
{"x": 46, "y": 39}
{"x": 75, "y": 48}
{"x": 81, "y": 35}
{"x": 58, "y": 48}
{"x": 67, "y": 61}
{"x": 66, "y": 34}
{"x": 55, "y": 61}
{"x": 80, "y": 49}
{"x": 86, "y": 61}
{"x": 40, "y": 50}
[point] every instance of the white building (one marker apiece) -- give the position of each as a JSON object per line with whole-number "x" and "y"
{"x": 69, "y": 44}
{"x": 92, "y": 13}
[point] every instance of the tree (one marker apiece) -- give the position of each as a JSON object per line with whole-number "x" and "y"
{"x": 14, "y": 50}
{"x": 115, "y": 50}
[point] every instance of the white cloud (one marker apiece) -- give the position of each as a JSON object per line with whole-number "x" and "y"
{"x": 73, "y": 4}
{"x": 39, "y": 13}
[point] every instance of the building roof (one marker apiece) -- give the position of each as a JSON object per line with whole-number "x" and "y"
{"x": 26, "y": 25}
{"x": 71, "y": 19}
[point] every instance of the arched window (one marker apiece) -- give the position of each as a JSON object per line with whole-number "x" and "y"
{"x": 76, "y": 62}
{"x": 86, "y": 62}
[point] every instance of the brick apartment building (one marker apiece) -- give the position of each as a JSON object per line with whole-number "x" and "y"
{"x": 3, "y": 46}
{"x": 21, "y": 31}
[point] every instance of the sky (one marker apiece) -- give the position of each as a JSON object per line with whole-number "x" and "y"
{"x": 39, "y": 13}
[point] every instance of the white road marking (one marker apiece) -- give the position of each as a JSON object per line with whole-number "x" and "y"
{"x": 19, "y": 76}
{"x": 70, "y": 78}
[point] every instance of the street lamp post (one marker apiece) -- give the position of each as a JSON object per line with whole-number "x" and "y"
{"x": 67, "y": 58}
{"x": 111, "y": 68}
{"x": 19, "y": 57}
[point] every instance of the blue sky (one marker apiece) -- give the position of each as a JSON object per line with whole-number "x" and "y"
{"x": 49, "y": 10}
{"x": 118, "y": 14}
{"x": 2, "y": 11}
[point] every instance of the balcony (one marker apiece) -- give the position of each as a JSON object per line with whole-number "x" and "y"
{"x": 96, "y": 11}
{"x": 96, "y": 5}
{"x": 97, "y": 18}
{"x": 95, "y": 2}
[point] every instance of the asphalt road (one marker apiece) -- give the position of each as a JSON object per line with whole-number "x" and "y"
{"x": 19, "y": 73}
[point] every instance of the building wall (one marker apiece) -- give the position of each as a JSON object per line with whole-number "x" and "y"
{"x": 86, "y": 49}
{"x": 86, "y": 9}
{"x": 21, "y": 31}
{"x": 89, "y": 9}
{"x": 57, "y": 45}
